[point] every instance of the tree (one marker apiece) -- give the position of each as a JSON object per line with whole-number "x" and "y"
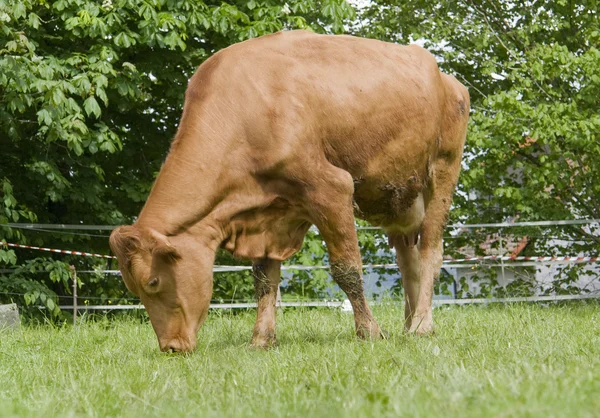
{"x": 91, "y": 97}
{"x": 533, "y": 71}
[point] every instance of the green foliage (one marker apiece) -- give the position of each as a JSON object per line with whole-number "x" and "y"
{"x": 92, "y": 94}
{"x": 533, "y": 148}
{"x": 309, "y": 284}
{"x": 232, "y": 286}
{"x": 533, "y": 72}
{"x": 30, "y": 283}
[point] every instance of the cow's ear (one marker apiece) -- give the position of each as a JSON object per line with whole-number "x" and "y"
{"x": 125, "y": 241}
{"x": 163, "y": 247}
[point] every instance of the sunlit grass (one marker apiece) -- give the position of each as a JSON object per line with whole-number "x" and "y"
{"x": 513, "y": 360}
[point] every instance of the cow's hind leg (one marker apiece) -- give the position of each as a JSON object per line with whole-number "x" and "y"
{"x": 419, "y": 253}
{"x": 430, "y": 260}
{"x": 420, "y": 260}
{"x": 331, "y": 205}
{"x": 445, "y": 177}
{"x": 409, "y": 262}
{"x": 419, "y": 256}
{"x": 420, "y": 267}
{"x": 266, "y": 273}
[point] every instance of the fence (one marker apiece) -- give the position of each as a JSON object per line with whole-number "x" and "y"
{"x": 493, "y": 261}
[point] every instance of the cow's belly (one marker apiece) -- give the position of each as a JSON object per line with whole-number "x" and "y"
{"x": 396, "y": 206}
{"x": 393, "y": 188}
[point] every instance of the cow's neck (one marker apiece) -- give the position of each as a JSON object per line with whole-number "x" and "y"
{"x": 185, "y": 190}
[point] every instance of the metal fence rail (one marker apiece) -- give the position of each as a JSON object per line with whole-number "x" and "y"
{"x": 467, "y": 262}
{"x": 345, "y": 304}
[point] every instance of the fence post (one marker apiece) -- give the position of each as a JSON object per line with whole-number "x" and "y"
{"x": 74, "y": 277}
{"x": 278, "y": 298}
{"x": 502, "y": 258}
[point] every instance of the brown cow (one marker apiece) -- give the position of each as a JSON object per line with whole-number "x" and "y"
{"x": 287, "y": 131}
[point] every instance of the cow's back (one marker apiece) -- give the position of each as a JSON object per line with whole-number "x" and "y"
{"x": 291, "y": 99}
{"x": 349, "y": 98}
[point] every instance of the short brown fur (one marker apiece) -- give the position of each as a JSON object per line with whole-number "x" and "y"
{"x": 286, "y": 131}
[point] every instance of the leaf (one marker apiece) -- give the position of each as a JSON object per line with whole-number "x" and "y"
{"x": 44, "y": 117}
{"x": 91, "y": 107}
{"x": 102, "y": 95}
{"x": 19, "y": 10}
{"x": 57, "y": 97}
{"x": 100, "y": 81}
{"x": 34, "y": 20}
{"x": 124, "y": 40}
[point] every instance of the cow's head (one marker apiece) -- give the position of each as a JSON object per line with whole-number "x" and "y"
{"x": 172, "y": 277}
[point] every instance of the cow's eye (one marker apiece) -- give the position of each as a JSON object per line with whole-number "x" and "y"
{"x": 153, "y": 282}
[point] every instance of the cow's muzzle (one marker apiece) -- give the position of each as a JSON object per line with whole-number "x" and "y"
{"x": 178, "y": 345}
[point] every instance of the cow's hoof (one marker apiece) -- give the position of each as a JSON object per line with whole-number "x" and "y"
{"x": 372, "y": 332}
{"x": 262, "y": 345}
{"x": 422, "y": 330}
{"x": 260, "y": 342}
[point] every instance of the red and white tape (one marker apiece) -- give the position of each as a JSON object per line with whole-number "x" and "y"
{"x": 523, "y": 258}
{"x": 446, "y": 261}
{"x": 54, "y": 250}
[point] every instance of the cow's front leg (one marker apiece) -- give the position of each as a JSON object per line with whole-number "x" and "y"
{"x": 334, "y": 216}
{"x": 266, "y": 282}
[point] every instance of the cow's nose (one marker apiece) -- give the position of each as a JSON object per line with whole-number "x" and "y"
{"x": 177, "y": 345}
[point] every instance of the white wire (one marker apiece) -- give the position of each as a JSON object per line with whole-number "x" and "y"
{"x": 485, "y": 225}
{"x": 340, "y": 304}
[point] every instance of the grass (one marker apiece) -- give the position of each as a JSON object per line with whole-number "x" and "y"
{"x": 498, "y": 361}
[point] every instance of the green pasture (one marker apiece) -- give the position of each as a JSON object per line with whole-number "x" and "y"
{"x": 497, "y": 361}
